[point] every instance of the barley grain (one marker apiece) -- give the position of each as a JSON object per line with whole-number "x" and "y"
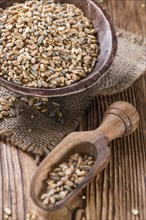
{"x": 32, "y": 35}
{"x": 70, "y": 174}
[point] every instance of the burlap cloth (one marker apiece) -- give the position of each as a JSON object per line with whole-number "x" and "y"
{"x": 46, "y": 133}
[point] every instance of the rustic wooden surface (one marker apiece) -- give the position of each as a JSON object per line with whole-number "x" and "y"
{"x": 120, "y": 119}
{"x": 121, "y": 187}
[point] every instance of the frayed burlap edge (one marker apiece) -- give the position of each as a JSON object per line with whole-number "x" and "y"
{"x": 47, "y": 133}
{"x": 132, "y": 75}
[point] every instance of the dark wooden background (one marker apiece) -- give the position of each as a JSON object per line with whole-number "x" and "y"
{"x": 121, "y": 186}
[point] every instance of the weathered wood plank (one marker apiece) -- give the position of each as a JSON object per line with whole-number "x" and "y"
{"x": 121, "y": 187}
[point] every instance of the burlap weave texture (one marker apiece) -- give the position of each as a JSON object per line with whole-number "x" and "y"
{"x": 129, "y": 64}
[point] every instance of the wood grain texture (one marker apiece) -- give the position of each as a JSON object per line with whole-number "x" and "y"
{"x": 121, "y": 187}
{"x": 120, "y": 119}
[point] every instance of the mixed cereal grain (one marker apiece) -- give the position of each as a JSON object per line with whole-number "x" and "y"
{"x": 45, "y": 44}
{"x": 66, "y": 177}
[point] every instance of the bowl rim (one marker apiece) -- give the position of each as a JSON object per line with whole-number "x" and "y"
{"x": 77, "y": 87}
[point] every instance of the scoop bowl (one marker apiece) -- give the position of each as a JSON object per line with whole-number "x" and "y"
{"x": 121, "y": 118}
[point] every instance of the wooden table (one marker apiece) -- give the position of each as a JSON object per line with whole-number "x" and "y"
{"x": 121, "y": 187}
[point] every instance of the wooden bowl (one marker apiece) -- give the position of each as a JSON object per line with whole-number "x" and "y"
{"x": 108, "y": 46}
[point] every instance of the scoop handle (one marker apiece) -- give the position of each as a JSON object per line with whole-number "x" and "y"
{"x": 120, "y": 119}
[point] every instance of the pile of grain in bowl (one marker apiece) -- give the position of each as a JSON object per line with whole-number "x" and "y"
{"x": 46, "y": 45}
{"x": 66, "y": 177}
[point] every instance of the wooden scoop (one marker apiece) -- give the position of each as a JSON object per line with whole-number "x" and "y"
{"x": 121, "y": 118}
